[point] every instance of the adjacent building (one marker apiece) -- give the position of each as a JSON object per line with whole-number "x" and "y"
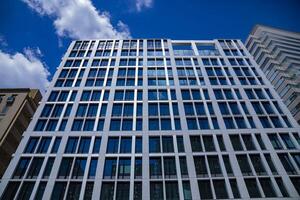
{"x": 17, "y": 107}
{"x": 277, "y": 52}
{"x": 157, "y": 119}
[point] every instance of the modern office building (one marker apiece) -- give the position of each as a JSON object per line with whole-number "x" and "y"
{"x": 17, "y": 107}
{"x": 277, "y": 52}
{"x": 157, "y": 119}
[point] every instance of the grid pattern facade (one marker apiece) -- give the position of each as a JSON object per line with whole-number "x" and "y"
{"x": 277, "y": 53}
{"x": 157, "y": 119}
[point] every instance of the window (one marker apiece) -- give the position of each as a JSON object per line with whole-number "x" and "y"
{"x": 180, "y": 144}
{"x": 112, "y": 145}
{"x": 167, "y": 144}
{"x": 115, "y": 125}
{"x": 138, "y": 168}
{"x": 71, "y": 145}
{"x": 267, "y": 187}
{"x": 74, "y": 190}
{"x": 205, "y": 189}
{"x": 124, "y": 168}
{"x": 282, "y": 187}
{"x": 200, "y": 166}
{"x": 65, "y": 168}
{"x": 169, "y": 167}
{"x": 271, "y": 164}
{"x": 93, "y": 168}
{"x": 56, "y": 145}
{"x": 97, "y": 144}
{"x": 35, "y": 168}
{"x": 88, "y": 192}
{"x": 248, "y": 141}
{"x": 123, "y": 191}
{"x": 125, "y": 146}
{"x": 187, "y": 190}
{"x": 48, "y": 167}
{"x": 214, "y": 166}
{"x": 31, "y": 145}
{"x": 21, "y": 168}
{"x": 260, "y": 141}
{"x": 236, "y": 142}
{"x": 59, "y": 191}
{"x": 208, "y": 143}
{"x": 155, "y": 168}
{"x": 265, "y": 122}
{"x": 43, "y": 145}
{"x": 77, "y": 125}
{"x": 244, "y": 164}
{"x": 275, "y": 141}
{"x": 138, "y": 145}
{"x": 107, "y": 191}
{"x": 287, "y": 164}
{"x": 172, "y": 190}
{"x": 227, "y": 164}
{"x": 26, "y": 190}
{"x": 110, "y": 168}
{"x": 154, "y": 145}
{"x": 40, "y": 191}
{"x": 156, "y": 190}
{"x": 221, "y": 143}
{"x": 11, "y": 190}
{"x": 183, "y": 167}
{"x": 84, "y": 145}
{"x": 196, "y": 143}
{"x": 137, "y": 191}
{"x": 79, "y": 168}
{"x": 257, "y": 164}
{"x": 234, "y": 188}
{"x": 220, "y": 189}
{"x": 252, "y": 188}
{"x": 287, "y": 141}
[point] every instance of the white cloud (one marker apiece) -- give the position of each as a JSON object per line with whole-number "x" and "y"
{"x": 140, "y": 4}
{"x": 23, "y": 70}
{"x": 79, "y": 19}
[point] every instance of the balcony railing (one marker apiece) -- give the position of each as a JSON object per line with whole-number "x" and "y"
{"x": 208, "y": 52}
{"x": 184, "y": 52}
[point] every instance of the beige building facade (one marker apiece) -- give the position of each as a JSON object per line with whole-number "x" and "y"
{"x": 17, "y": 107}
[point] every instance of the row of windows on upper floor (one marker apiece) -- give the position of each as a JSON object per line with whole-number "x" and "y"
{"x": 159, "y": 71}
{"x": 158, "y": 76}
{"x": 165, "y": 144}
{"x": 151, "y": 43}
{"x": 155, "y": 48}
{"x": 87, "y": 120}
{"x": 159, "y": 118}
{"x": 261, "y": 108}
{"x": 195, "y": 94}
{"x": 153, "y": 52}
{"x": 157, "y": 62}
{"x": 162, "y": 94}
{"x": 266, "y": 110}
{"x": 157, "y": 81}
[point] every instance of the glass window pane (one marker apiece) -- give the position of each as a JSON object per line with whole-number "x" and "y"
{"x": 252, "y": 188}
{"x": 205, "y": 189}
{"x": 172, "y": 192}
{"x": 156, "y": 191}
{"x": 220, "y": 189}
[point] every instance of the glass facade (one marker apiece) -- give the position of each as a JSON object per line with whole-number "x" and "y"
{"x": 157, "y": 119}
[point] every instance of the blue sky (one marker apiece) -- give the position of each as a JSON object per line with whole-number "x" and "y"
{"x": 34, "y": 34}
